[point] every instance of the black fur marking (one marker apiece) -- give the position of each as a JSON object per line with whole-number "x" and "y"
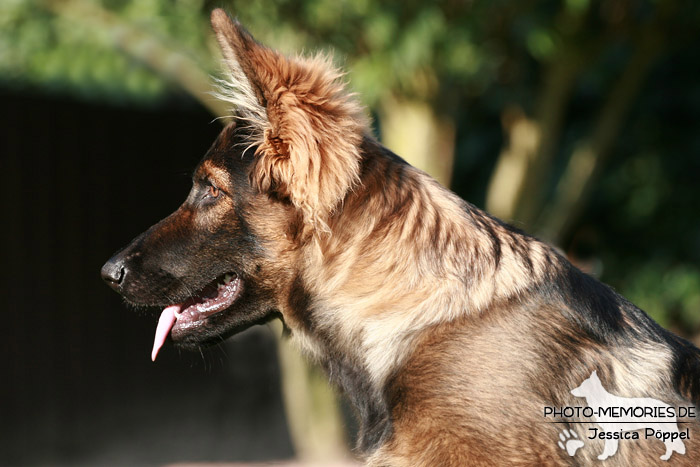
{"x": 521, "y": 246}
{"x": 371, "y": 408}
{"x": 436, "y": 237}
{"x": 350, "y": 376}
{"x": 299, "y": 302}
{"x": 495, "y": 241}
{"x": 488, "y": 224}
{"x": 595, "y": 307}
{"x": 684, "y": 368}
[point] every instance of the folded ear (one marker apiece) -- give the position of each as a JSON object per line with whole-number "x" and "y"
{"x": 307, "y": 127}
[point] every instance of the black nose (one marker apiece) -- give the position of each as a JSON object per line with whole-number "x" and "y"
{"x": 113, "y": 272}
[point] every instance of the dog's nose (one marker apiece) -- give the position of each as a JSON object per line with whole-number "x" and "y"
{"x": 113, "y": 272}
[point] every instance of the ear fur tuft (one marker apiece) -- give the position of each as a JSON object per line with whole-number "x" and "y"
{"x": 306, "y": 126}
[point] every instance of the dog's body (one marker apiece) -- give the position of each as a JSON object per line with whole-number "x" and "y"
{"x": 447, "y": 329}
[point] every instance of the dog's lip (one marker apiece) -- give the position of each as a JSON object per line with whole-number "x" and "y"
{"x": 212, "y": 299}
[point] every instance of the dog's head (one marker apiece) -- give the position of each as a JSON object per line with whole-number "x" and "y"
{"x": 226, "y": 259}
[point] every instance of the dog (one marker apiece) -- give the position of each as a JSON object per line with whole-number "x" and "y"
{"x": 598, "y": 398}
{"x": 448, "y": 330}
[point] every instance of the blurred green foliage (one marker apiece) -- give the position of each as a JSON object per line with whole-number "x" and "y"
{"x": 66, "y": 47}
{"x": 470, "y": 59}
{"x": 645, "y": 210}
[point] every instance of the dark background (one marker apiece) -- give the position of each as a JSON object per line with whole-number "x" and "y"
{"x": 79, "y": 181}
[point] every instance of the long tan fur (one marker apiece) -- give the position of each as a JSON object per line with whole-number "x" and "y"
{"x": 452, "y": 326}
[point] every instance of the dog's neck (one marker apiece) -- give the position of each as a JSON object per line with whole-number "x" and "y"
{"x": 408, "y": 256}
{"x": 412, "y": 255}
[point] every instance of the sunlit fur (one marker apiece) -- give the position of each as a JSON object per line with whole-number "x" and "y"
{"x": 308, "y": 139}
{"x": 448, "y": 329}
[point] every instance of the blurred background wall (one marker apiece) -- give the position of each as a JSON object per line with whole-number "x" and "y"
{"x": 78, "y": 386}
{"x": 576, "y": 120}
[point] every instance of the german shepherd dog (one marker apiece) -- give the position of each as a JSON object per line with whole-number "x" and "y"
{"x": 450, "y": 332}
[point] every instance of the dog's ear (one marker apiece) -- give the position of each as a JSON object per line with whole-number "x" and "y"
{"x": 307, "y": 127}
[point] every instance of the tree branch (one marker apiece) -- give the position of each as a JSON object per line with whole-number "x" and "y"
{"x": 164, "y": 59}
{"x": 590, "y": 155}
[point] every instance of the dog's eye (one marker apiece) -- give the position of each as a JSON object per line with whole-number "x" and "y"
{"x": 213, "y": 191}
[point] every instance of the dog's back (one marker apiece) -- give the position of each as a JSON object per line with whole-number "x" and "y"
{"x": 474, "y": 393}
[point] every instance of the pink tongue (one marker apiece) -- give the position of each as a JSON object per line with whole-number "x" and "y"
{"x": 165, "y": 324}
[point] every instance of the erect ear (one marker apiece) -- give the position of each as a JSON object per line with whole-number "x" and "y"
{"x": 307, "y": 127}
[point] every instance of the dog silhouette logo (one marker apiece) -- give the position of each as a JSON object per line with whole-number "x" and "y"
{"x": 617, "y": 415}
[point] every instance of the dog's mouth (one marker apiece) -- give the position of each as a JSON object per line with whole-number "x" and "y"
{"x": 181, "y": 317}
